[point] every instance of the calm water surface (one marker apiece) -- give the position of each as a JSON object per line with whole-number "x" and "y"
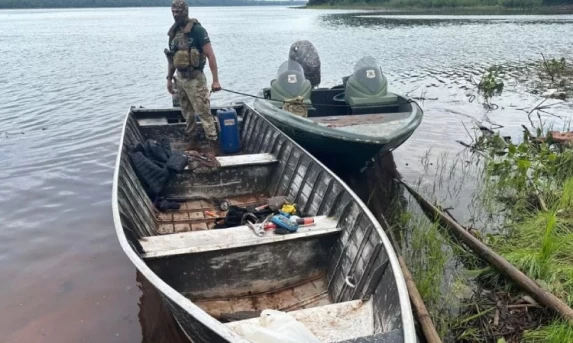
{"x": 67, "y": 78}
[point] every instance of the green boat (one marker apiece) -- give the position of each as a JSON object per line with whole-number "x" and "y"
{"x": 343, "y": 126}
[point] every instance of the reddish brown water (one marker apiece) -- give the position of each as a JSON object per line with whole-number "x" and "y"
{"x": 63, "y": 276}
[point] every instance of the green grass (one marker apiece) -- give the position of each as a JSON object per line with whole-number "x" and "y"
{"x": 536, "y": 240}
{"x": 511, "y": 179}
{"x": 557, "y": 331}
{"x": 542, "y": 247}
{"x": 427, "y": 258}
{"x": 503, "y": 185}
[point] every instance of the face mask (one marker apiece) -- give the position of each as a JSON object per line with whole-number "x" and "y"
{"x": 180, "y": 10}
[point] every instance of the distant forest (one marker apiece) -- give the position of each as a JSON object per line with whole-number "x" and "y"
{"x": 135, "y": 3}
{"x": 443, "y": 3}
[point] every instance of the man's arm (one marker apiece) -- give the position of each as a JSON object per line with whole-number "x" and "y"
{"x": 208, "y": 51}
{"x": 170, "y": 71}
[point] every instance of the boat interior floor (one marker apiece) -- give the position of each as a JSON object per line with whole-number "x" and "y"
{"x": 196, "y": 215}
{"x": 306, "y": 294}
{"x": 352, "y": 120}
{"x": 334, "y": 322}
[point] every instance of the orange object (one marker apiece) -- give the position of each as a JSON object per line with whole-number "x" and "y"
{"x": 210, "y": 213}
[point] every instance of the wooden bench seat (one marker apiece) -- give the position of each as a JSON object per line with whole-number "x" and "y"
{"x": 164, "y": 121}
{"x": 245, "y": 160}
{"x": 218, "y": 239}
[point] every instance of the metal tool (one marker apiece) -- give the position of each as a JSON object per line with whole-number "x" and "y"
{"x": 257, "y": 228}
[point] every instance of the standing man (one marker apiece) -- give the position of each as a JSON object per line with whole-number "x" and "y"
{"x": 189, "y": 47}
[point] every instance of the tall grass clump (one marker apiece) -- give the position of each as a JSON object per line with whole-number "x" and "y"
{"x": 534, "y": 179}
{"x": 430, "y": 262}
{"x": 556, "y": 331}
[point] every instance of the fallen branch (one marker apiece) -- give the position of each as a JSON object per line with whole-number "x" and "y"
{"x": 522, "y": 306}
{"x": 506, "y": 268}
{"x": 533, "y": 109}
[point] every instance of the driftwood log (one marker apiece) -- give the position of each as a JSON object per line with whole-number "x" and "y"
{"x": 542, "y": 296}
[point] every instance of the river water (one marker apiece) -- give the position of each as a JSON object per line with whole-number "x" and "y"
{"x": 67, "y": 78}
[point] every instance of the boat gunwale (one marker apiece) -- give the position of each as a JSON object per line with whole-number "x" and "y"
{"x": 310, "y": 126}
{"x": 216, "y": 326}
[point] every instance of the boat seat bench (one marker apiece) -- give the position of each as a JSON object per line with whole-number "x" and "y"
{"x": 245, "y": 160}
{"x": 163, "y": 121}
{"x": 234, "y": 237}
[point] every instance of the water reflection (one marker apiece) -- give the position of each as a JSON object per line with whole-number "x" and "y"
{"x": 66, "y": 277}
{"x": 157, "y": 324}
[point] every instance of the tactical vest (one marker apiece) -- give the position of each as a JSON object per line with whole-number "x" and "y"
{"x": 186, "y": 55}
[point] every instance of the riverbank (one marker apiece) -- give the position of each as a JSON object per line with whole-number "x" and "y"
{"x": 520, "y": 202}
{"x": 407, "y": 7}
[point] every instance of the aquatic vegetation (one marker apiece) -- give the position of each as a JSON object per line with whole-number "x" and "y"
{"x": 430, "y": 262}
{"x": 517, "y": 197}
{"x": 534, "y": 181}
{"x": 552, "y": 77}
{"x": 526, "y": 189}
{"x": 491, "y": 82}
{"x": 554, "y": 68}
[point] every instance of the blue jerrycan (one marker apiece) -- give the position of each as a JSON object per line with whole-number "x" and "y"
{"x": 229, "y": 127}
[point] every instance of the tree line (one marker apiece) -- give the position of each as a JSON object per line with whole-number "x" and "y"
{"x": 130, "y": 3}
{"x": 445, "y": 3}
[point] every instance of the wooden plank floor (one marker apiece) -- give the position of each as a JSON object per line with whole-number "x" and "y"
{"x": 195, "y": 216}
{"x": 305, "y": 295}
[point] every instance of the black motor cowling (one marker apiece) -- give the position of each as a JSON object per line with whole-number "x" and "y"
{"x": 306, "y": 55}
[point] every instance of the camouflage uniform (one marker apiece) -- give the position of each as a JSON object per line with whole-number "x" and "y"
{"x": 191, "y": 82}
{"x": 194, "y": 98}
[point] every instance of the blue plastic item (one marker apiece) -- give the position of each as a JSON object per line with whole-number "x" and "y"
{"x": 284, "y": 222}
{"x": 229, "y": 127}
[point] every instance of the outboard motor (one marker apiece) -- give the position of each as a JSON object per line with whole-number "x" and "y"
{"x": 290, "y": 83}
{"x": 367, "y": 86}
{"x": 306, "y": 55}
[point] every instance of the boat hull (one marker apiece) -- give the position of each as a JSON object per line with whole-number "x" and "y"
{"x": 341, "y": 156}
{"x": 190, "y": 272}
{"x": 349, "y": 149}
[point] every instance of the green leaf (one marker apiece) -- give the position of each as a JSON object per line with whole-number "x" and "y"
{"x": 522, "y": 148}
{"x": 523, "y": 164}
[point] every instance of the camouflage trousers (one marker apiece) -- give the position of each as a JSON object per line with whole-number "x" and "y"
{"x": 194, "y": 99}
